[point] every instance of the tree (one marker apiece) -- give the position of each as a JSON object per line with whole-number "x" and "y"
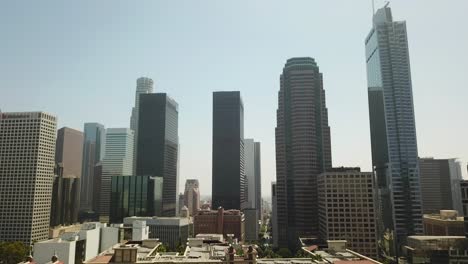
{"x": 162, "y": 248}
{"x": 180, "y": 248}
{"x": 284, "y": 253}
{"x": 13, "y": 252}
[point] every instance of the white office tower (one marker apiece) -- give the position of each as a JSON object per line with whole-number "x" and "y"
{"x": 144, "y": 86}
{"x": 252, "y": 173}
{"x": 118, "y": 161}
{"x": 140, "y": 231}
{"x": 27, "y": 153}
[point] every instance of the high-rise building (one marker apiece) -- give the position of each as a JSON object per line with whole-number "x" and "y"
{"x": 392, "y": 126}
{"x": 66, "y": 187}
{"x": 348, "y": 209}
{"x": 144, "y": 86}
{"x": 274, "y": 215}
{"x": 252, "y": 226}
{"x": 440, "y": 185}
{"x": 253, "y": 175}
{"x": 464, "y": 192}
{"x": 158, "y": 145}
{"x": 27, "y": 146}
{"x": 93, "y": 152}
{"x": 118, "y": 161}
{"x": 229, "y": 186}
{"x": 192, "y": 196}
{"x": 303, "y": 149}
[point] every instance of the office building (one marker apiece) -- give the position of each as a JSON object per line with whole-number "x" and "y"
{"x": 253, "y": 175}
{"x": 93, "y": 152}
{"x": 464, "y": 192}
{"x": 229, "y": 186}
{"x": 274, "y": 213}
{"x": 347, "y": 209}
{"x": 118, "y": 161}
{"x": 144, "y": 86}
{"x": 445, "y": 223}
{"x": 69, "y": 151}
{"x": 158, "y": 146}
{"x": 392, "y": 126}
{"x": 192, "y": 196}
{"x": 135, "y": 196}
{"x": 172, "y": 231}
{"x": 27, "y": 146}
{"x": 220, "y": 222}
{"x": 252, "y": 226}
{"x": 436, "y": 249}
{"x": 440, "y": 184}
{"x": 303, "y": 149}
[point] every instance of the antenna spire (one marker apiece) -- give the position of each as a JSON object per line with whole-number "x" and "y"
{"x": 373, "y": 7}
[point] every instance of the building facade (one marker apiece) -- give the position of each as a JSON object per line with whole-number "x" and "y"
{"x": 445, "y": 223}
{"x": 27, "y": 146}
{"x": 93, "y": 152}
{"x": 440, "y": 185}
{"x": 144, "y": 86}
{"x": 348, "y": 209}
{"x": 220, "y": 222}
{"x": 253, "y": 175}
{"x": 192, "y": 196}
{"x": 252, "y": 226}
{"x": 229, "y": 187}
{"x": 158, "y": 145}
{"x": 69, "y": 151}
{"x": 135, "y": 196}
{"x": 303, "y": 149}
{"x": 392, "y": 126}
{"x": 464, "y": 192}
{"x": 118, "y": 161}
{"x": 274, "y": 215}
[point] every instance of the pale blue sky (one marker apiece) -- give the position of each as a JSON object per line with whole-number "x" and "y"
{"x": 79, "y": 60}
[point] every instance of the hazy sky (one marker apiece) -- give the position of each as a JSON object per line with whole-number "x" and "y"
{"x": 79, "y": 60}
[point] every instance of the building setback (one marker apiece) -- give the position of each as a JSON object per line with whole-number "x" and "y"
{"x": 27, "y": 146}
{"x": 220, "y": 222}
{"x": 392, "y": 126}
{"x": 229, "y": 187}
{"x": 158, "y": 146}
{"x": 118, "y": 161}
{"x": 347, "y": 209}
{"x": 192, "y": 196}
{"x": 440, "y": 185}
{"x": 303, "y": 149}
{"x": 93, "y": 152}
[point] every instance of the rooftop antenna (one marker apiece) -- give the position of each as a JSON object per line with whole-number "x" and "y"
{"x": 386, "y": 3}
{"x": 373, "y": 7}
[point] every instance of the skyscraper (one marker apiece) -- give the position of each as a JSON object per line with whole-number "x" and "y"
{"x": 192, "y": 196}
{"x": 144, "y": 86}
{"x": 158, "y": 145}
{"x": 118, "y": 161}
{"x": 252, "y": 173}
{"x": 229, "y": 186}
{"x": 303, "y": 149}
{"x": 440, "y": 185}
{"x": 392, "y": 125}
{"x": 93, "y": 152}
{"x": 66, "y": 187}
{"x": 27, "y": 145}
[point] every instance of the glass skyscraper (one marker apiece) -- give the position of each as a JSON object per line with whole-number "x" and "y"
{"x": 392, "y": 126}
{"x": 303, "y": 150}
{"x": 158, "y": 145}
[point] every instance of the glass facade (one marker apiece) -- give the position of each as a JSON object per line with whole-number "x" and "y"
{"x": 135, "y": 196}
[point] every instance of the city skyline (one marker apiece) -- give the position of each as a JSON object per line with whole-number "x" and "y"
{"x": 432, "y": 121}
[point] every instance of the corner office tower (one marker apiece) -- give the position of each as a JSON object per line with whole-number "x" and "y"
{"x": 392, "y": 126}
{"x": 303, "y": 150}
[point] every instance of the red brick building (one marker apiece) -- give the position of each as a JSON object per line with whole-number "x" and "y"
{"x": 220, "y": 222}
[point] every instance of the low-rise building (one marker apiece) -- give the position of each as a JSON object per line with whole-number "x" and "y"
{"x": 447, "y": 223}
{"x": 464, "y": 194}
{"x": 437, "y": 249}
{"x": 220, "y": 222}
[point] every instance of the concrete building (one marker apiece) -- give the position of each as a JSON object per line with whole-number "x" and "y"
{"x": 158, "y": 146}
{"x": 392, "y": 126}
{"x": 220, "y": 222}
{"x": 347, "y": 209}
{"x": 274, "y": 213}
{"x": 252, "y": 226}
{"x": 303, "y": 149}
{"x": 192, "y": 196}
{"x": 440, "y": 184}
{"x": 464, "y": 193}
{"x": 229, "y": 186}
{"x": 447, "y": 223}
{"x": 144, "y": 86}
{"x": 118, "y": 161}
{"x": 93, "y": 152}
{"x": 253, "y": 175}
{"x": 171, "y": 231}
{"x": 437, "y": 249}
{"x": 27, "y": 146}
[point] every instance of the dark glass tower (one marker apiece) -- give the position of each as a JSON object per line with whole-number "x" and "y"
{"x": 228, "y": 176}
{"x": 392, "y": 126}
{"x": 158, "y": 145}
{"x": 303, "y": 150}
